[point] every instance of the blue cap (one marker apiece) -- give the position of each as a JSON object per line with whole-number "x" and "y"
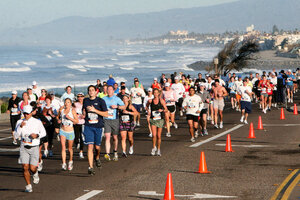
{"x": 239, "y": 76}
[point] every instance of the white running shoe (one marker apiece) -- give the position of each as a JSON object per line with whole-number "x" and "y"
{"x": 28, "y": 188}
{"x": 208, "y": 118}
{"x": 78, "y": 146}
{"x": 70, "y": 165}
{"x": 168, "y": 134}
{"x": 291, "y": 100}
{"x": 45, "y": 153}
{"x": 158, "y": 152}
{"x": 245, "y": 122}
{"x": 175, "y": 125}
{"x": 265, "y": 111}
{"x": 130, "y": 150}
{"x": 216, "y": 126}
{"x": 36, "y": 178}
{"x": 193, "y": 139}
{"x": 58, "y": 138}
{"x": 138, "y": 124}
{"x": 242, "y": 119}
{"x": 81, "y": 156}
{"x": 64, "y": 166}
{"x": 40, "y": 166}
{"x": 153, "y": 151}
{"x": 15, "y": 142}
{"x": 196, "y": 134}
{"x": 212, "y": 122}
{"x": 221, "y": 124}
{"x": 181, "y": 113}
{"x": 150, "y": 135}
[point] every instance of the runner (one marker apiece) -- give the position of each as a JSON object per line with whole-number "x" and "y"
{"x": 68, "y": 94}
{"x": 237, "y": 85}
{"x": 147, "y": 98}
{"x": 263, "y": 85}
{"x": 156, "y": 108}
{"x": 246, "y": 107}
{"x": 103, "y": 93}
{"x": 155, "y": 84}
{"x": 14, "y": 113}
{"x": 170, "y": 98}
{"x": 270, "y": 94}
{"x": 79, "y": 126}
{"x": 127, "y": 125}
{"x": 179, "y": 89}
{"x": 122, "y": 92}
{"x": 136, "y": 98}
{"x": 56, "y": 104}
{"x": 193, "y": 106}
{"x": 32, "y": 97}
{"x": 219, "y": 94}
{"x": 111, "y": 122}
{"x": 290, "y": 86}
{"x": 24, "y": 102}
{"x": 232, "y": 92}
{"x": 99, "y": 86}
{"x": 30, "y": 130}
{"x": 205, "y": 98}
{"x": 94, "y": 109}
{"x": 111, "y": 81}
{"x": 42, "y": 98}
{"x": 116, "y": 88}
{"x": 68, "y": 118}
{"x": 35, "y": 89}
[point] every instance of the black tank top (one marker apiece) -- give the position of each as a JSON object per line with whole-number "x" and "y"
{"x": 126, "y": 118}
{"x": 154, "y": 110}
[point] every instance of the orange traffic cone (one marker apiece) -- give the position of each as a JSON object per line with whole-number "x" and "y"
{"x": 251, "y": 132}
{"x": 295, "y": 110}
{"x": 169, "y": 192}
{"x": 282, "y": 114}
{"x": 228, "y": 144}
{"x": 202, "y": 165}
{"x": 260, "y": 125}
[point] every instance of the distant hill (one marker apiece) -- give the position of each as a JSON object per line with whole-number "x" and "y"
{"x": 219, "y": 18}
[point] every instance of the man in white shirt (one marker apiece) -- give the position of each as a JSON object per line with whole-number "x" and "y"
{"x": 179, "y": 90}
{"x": 246, "y": 93}
{"x": 193, "y": 106}
{"x": 35, "y": 89}
{"x": 136, "y": 94}
{"x": 30, "y": 130}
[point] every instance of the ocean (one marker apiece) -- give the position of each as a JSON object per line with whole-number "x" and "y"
{"x": 54, "y": 68}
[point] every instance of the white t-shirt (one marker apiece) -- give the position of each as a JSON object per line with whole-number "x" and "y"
{"x": 179, "y": 89}
{"x": 245, "y": 96}
{"x": 147, "y": 98}
{"x": 137, "y": 99}
{"x": 194, "y": 104}
{"x": 274, "y": 82}
{"x": 237, "y": 85}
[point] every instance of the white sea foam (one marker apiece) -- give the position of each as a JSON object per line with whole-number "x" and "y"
{"x": 14, "y": 69}
{"x": 94, "y": 66}
{"x": 126, "y": 53}
{"x": 59, "y": 55}
{"x": 77, "y": 67}
{"x": 113, "y": 59}
{"x": 48, "y": 56}
{"x": 157, "y": 61}
{"x": 79, "y": 61}
{"x": 55, "y": 52}
{"x": 30, "y": 63}
{"x": 85, "y": 52}
{"x": 128, "y": 63}
{"x": 127, "y": 68}
{"x": 80, "y": 54}
{"x": 12, "y": 64}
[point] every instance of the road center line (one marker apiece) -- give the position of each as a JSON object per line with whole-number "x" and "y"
{"x": 9, "y": 150}
{"x": 281, "y": 124}
{"x": 5, "y": 138}
{"x": 217, "y": 136}
{"x": 89, "y": 194}
{"x": 3, "y": 130}
{"x": 245, "y": 145}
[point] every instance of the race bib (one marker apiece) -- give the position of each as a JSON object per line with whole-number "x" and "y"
{"x": 110, "y": 113}
{"x": 125, "y": 118}
{"x": 192, "y": 105}
{"x": 67, "y": 122}
{"x": 264, "y": 89}
{"x": 156, "y": 115}
{"x": 78, "y": 111}
{"x": 27, "y": 140}
{"x": 14, "y": 111}
{"x": 93, "y": 118}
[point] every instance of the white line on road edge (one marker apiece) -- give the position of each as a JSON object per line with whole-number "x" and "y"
{"x": 281, "y": 124}
{"x": 9, "y": 150}
{"x": 194, "y": 196}
{"x": 250, "y": 146}
{"x": 5, "y": 138}
{"x": 217, "y": 136}
{"x": 89, "y": 194}
{"x": 5, "y": 129}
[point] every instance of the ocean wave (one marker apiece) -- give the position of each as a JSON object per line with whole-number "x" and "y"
{"x": 94, "y": 66}
{"x": 48, "y": 56}
{"x": 80, "y": 54}
{"x": 157, "y": 61}
{"x": 127, "y": 68}
{"x": 85, "y": 51}
{"x": 30, "y": 63}
{"x": 13, "y": 64}
{"x": 125, "y": 53}
{"x": 59, "y": 55}
{"x": 79, "y": 61}
{"x": 14, "y": 69}
{"x": 128, "y": 63}
{"x": 77, "y": 67}
{"x": 55, "y": 52}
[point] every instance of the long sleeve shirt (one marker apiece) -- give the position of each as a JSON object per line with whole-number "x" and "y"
{"x": 32, "y": 126}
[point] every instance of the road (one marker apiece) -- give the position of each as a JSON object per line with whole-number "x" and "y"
{"x": 257, "y": 169}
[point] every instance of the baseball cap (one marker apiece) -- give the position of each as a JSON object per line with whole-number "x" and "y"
{"x": 167, "y": 85}
{"x": 155, "y": 79}
{"x": 149, "y": 89}
{"x": 80, "y": 94}
{"x": 34, "y": 83}
{"x": 176, "y": 78}
{"x": 14, "y": 92}
{"x": 202, "y": 85}
{"x": 289, "y": 70}
{"x": 27, "y": 109}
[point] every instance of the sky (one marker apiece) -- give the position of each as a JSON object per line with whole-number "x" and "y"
{"x": 27, "y": 13}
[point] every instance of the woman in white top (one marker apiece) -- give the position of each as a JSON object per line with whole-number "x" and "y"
{"x": 68, "y": 117}
{"x": 147, "y": 98}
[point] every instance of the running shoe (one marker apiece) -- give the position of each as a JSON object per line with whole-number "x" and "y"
{"x": 36, "y": 178}
{"x": 130, "y": 150}
{"x": 107, "y": 157}
{"x": 57, "y": 138}
{"x": 221, "y": 124}
{"x": 70, "y": 165}
{"x": 124, "y": 154}
{"x": 196, "y": 134}
{"x": 208, "y": 118}
{"x": 98, "y": 163}
{"x": 292, "y": 101}
{"x": 50, "y": 153}
{"x": 181, "y": 113}
{"x": 28, "y": 188}
{"x": 245, "y": 122}
{"x": 45, "y": 153}
{"x": 115, "y": 158}
{"x": 242, "y": 119}
{"x": 91, "y": 171}
{"x": 81, "y": 156}
{"x": 168, "y": 134}
{"x": 15, "y": 142}
{"x": 205, "y": 132}
{"x": 175, "y": 125}
{"x": 138, "y": 124}
{"x": 212, "y": 122}
{"x": 193, "y": 139}
{"x": 158, "y": 152}
{"x": 150, "y": 135}
{"x": 171, "y": 124}
{"x": 64, "y": 166}
{"x": 153, "y": 151}
{"x": 40, "y": 166}
{"x": 78, "y": 146}
{"x": 216, "y": 126}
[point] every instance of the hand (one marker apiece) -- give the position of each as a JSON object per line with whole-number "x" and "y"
{"x": 114, "y": 106}
{"x": 33, "y": 135}
{"x": 59, "y": 121}
{"x": 198, "y": 111}
{"x": 91, "y": 108}
{"x": 138, "y": 94}
{"x": 23, "y": 124}
{"x": 160, "y": 110}
{"x": 126, "y": 112}
{"x": 15, "y": 106}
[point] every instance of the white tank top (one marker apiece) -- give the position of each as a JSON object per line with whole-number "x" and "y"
{"x": 64, "y": 120}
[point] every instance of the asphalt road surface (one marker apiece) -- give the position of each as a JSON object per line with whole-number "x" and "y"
{"x": 261, "y": 168}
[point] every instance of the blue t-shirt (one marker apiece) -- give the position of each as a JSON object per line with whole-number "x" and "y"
{"x": 66, "y": 95}
{"x": 231, "y": 84}
{"x": 110, "y": 101}
{"x": 92, "y": 119}
{"x": 290, "y": 79}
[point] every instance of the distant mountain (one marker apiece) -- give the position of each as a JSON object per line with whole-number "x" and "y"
{"x": 219, "y": 18}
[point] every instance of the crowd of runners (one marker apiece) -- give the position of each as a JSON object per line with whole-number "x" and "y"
{"x": 113, "y": 111}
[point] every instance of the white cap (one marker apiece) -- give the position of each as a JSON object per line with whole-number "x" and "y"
{"x": 155, "y": 79}
{"x": 289, "y": 70}
{"x": 34, "y": 83}
{"x": 202, "y": 84}
{"x": 27, "y": 109}
{"x": 176, "y": 78}
{"x": 14, "y": 92}
{"x": 167, "y": 84}
{"x": 149, "y": 89}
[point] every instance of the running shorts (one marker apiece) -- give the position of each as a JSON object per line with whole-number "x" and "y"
{"x": 219, "y": 104}
{"x": 192, "y": 117}
{"x": 29, "y": 155}
{"x": 111, "y": 126}
{"x": 245, "y": 105}
{"x": 172, "y": 108}
{"x": 67, "y": 135}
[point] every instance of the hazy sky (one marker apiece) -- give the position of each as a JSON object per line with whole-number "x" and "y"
{"x": 25, "y": 13}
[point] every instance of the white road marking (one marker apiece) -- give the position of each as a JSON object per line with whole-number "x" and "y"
{"x": 3, "y": 130}
{"x": 281, "y": 124}
{"x": 9, "y": 150}
{"x": 5, "y": 138}
{"x": 216, "y": 136}
{"x": 89, "y": 194}
{"x": 250, "y": 146}
{"x": 193, "y": 196}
